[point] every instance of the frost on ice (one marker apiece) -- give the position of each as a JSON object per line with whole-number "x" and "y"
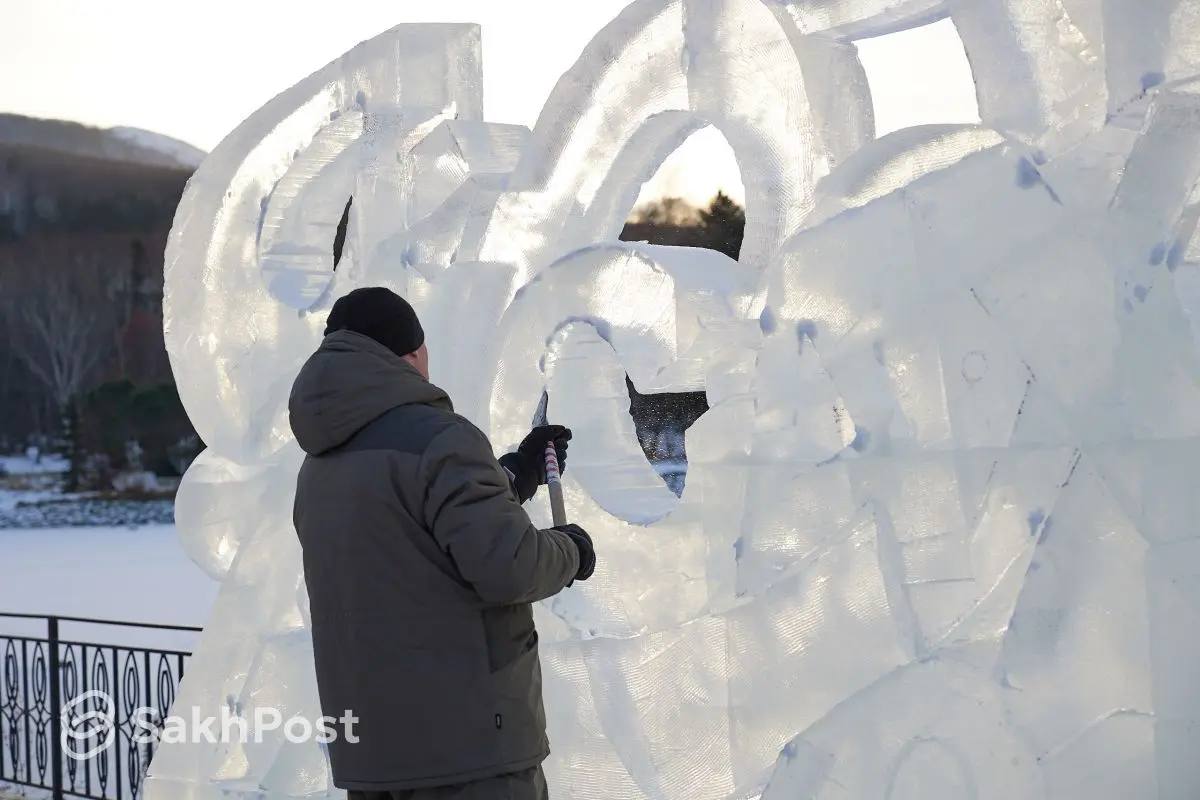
{"x": 938, "y": 537}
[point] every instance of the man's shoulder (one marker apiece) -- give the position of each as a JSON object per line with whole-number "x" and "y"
{"x": 406, "y": 429}
{"x": 469, "y": 428}
{"x": 458, "y": 433}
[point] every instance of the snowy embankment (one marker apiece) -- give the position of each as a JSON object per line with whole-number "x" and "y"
{"x": 50, "y": 511}
{"x": 30, "y": 497}
{"x": 131, "y": 574}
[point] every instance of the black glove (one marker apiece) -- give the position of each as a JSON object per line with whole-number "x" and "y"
{"x": 587, "y": 553}
{"x": 528, "y": 464}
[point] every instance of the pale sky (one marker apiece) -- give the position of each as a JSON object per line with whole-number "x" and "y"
{"x": 195, "y": 70}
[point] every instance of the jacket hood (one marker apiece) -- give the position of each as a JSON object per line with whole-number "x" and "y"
{"x": 350, "y": 381}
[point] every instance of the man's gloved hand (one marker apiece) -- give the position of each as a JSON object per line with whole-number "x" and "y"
{"x": 528, "y": 464}
{"x": 533, "y": 447}
{"x": 587, "y": 553}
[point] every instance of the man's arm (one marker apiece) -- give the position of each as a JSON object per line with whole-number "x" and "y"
{"x": 477, "y": 521}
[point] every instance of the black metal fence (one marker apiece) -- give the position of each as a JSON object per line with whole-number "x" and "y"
{"x": 104, "y": 690}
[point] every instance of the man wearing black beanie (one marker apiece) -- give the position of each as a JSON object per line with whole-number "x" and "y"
{"x": 421, "y": 567}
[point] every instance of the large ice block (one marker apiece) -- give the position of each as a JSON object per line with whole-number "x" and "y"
{"x": 937, "y": 536}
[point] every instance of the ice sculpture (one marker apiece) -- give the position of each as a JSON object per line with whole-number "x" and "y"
{"x": 938, "y": 537}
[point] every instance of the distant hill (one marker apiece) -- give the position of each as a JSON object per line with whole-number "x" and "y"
{"x": 130, "y": 145}
{"x": 62, "y": 177}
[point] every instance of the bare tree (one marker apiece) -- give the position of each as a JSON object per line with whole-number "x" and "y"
{"x": 55, "y": 334}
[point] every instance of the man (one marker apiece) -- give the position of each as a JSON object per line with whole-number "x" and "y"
{"x": 421, "y": 567}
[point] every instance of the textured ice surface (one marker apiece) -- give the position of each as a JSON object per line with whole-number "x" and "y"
{"x": 938, "y": 537}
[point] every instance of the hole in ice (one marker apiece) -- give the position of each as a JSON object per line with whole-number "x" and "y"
{"x": 919, "y": 76}
{"x": 698, "y": 169}
{"x": 339, "y": 239}
{"x": 660, "y": 421}
{"x": 695, "y": 199}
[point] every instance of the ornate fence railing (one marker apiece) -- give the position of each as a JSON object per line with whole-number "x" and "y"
{"x": 103, "y": 697}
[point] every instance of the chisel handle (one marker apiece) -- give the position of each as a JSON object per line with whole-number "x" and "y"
{"x": 558, "y": 508}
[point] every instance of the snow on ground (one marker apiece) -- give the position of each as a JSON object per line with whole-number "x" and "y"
{"x": 23, "y": 465}
{"x": 132, "y": 574}
{"x": 9, "y": 499}
{"x": 50, "y": 509}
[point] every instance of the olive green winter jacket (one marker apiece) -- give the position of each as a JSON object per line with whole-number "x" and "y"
{"x": 421, "y": 566}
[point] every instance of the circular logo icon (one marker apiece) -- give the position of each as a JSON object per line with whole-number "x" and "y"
{"x": 88, "y": 725}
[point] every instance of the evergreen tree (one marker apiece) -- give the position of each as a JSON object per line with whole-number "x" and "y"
{"x": 724, "y": 225}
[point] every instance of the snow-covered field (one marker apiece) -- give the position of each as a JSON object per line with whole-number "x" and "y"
{"x": 24, "y": 465}
{"x": 132, "y": 574}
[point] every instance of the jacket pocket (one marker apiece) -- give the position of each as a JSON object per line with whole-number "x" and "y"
{"x": 509, "y": 633}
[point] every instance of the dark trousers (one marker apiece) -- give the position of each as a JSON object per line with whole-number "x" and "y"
{"x": 527, "y": 785}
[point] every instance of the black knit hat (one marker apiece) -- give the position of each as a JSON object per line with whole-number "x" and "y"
{"x": 380, "y": 314}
